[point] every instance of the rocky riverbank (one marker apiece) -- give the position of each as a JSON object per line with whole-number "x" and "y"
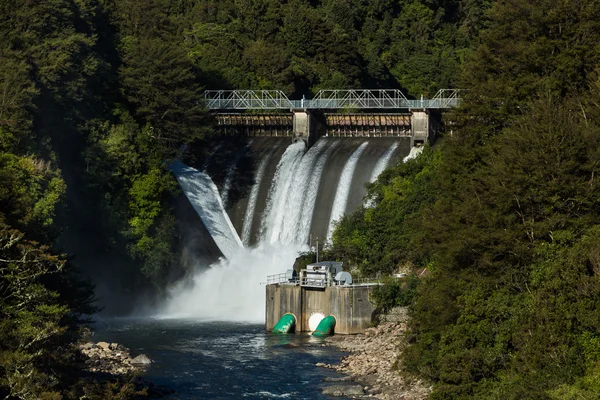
{"x": 371, "y": 366}
{"x": 112, "y": 358}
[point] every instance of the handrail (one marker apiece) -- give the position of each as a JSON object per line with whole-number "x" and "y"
{"x": 327, "y": 99}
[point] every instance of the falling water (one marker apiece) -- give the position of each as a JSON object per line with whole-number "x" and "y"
{"x": 343, "y": 190}
{"x": 279, "y": 194}
{"x": 249, "y": 216}
{"x": 312, "y": 192}
{"x": 414, "y": 152}
{"x": 289, "y": 210}
{"x": 383, "y": 162}
{"x": 230, "y": 289}
{"x": 204, "y": 197}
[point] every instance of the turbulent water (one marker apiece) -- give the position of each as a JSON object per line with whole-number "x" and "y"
{"x": 224, "y": 360}
{"x": 208, "y": 341}
{"x": 290, "y": 196}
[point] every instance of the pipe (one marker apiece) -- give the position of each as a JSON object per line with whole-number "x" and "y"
{"x": 286, "y": 324}
{"x": 326, "y": 327}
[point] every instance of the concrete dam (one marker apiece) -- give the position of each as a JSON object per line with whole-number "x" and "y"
{"x": 280, "y": 193}
{"x": 272, "y": 181}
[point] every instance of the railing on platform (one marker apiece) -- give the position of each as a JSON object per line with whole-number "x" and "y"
{"x": 327, "y": 99}
{"x": 283, "y": 279}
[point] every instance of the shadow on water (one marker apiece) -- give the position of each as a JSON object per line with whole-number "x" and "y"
{"x": 225, "y": 360}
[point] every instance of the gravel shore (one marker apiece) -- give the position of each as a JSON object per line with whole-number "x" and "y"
{"x": 371, "y": 364}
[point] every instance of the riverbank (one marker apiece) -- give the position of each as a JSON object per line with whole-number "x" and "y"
{"x": 372, "y": 364}
{"x": 112, "y": 358}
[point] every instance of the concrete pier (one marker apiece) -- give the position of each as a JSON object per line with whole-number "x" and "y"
{"x": 349, "y": 305}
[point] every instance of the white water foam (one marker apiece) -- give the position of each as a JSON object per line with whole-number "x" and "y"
{"x": 383, "y": 162}
{"x": 232, "y": 289}
{"x": 414, "y": 153}
{"x": 343, "y": 189}
{"x": 204, "y": 197}
{"x": 290, "y": 209}
{"x": 278, "y": 201}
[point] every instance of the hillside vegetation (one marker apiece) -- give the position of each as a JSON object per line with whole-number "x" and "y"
{"x": 504, "y": 215}
{"x": 95, "y": 95}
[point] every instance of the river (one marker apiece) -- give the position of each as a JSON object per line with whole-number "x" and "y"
{"x": 224, "y": 360}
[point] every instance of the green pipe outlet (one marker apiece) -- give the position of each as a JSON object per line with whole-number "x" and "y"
{"x": 286, "y": 324}
{"x": 325, "y": 327}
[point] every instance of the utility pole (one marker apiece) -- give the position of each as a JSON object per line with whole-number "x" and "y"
{"x": 317, "y": 249}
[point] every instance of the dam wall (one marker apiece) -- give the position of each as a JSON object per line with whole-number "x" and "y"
{"x": 277, "y": 192}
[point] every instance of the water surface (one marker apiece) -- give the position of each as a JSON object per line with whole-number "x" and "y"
{"x": 224, "y": 360}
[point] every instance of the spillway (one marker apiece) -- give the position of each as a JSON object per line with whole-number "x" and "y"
{"x": 279, "y": 196}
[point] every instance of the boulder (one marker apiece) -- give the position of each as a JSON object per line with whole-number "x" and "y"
{"x": 103, "y": 345}
{"x": 142, "y": 359}
{"x": 343, "y": 390}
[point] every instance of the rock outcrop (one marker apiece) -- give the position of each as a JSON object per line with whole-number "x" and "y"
{"x": 111, "y": 358}
{"x": 372, "y": 363}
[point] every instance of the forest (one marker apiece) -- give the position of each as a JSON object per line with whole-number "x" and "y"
{"x": 503, "y": 213}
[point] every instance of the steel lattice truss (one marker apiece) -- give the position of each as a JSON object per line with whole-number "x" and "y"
{"x": 327, "y": 99}
{"x": 247, "y": 99}
{"x": 353, "y": 98}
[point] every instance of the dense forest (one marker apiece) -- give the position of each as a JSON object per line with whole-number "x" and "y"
{"x": 504, "y": 215}
{"x": 95, "y": 96}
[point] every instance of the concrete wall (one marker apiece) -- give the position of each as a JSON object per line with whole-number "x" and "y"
{"x": 349, "y": 305}
{"x": 420, "y": 126}
{"x": 282, "y": 299}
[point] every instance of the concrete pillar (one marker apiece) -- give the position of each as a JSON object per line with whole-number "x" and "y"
{"x": 307, "y": 126}
{"x": 419, "y": 127}
{"x": 424, "y": 126}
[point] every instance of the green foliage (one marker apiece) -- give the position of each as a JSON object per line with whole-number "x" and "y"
{"x": 395, "y": 293}
{"x": 377, "y": 239}
{"x": 504, "y": 215}
{"x": 301, "y": 47}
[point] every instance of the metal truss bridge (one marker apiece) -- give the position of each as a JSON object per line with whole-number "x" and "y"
{"x": 327, "y": 99}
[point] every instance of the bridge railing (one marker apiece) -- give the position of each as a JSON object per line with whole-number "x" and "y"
{"x": 327, "y": 99}
{"x": 247, "y": 99}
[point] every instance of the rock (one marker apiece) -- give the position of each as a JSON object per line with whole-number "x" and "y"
{"x": 336, "y": 379}
{"x": 343, "y": 390}
{"x": 114, "y": 346}
{"x": 320, "y": 364}
{"x": 142, "y": 359}
{"x": 87, "y": 346}
{"x": 103, "y": 345}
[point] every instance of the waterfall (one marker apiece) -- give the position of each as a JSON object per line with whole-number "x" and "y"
{"x": 414, "y": 152}
{"x": 383, "y": 162}
{"x": 343, "y": 190}
{"x": 204, "y": 197}
{"x": 281, "y": 189}
{"x": 230, "y": 289}
{"x": 249, "y": 216}
{"x": 312, "y": 192}
{"x": 288, "y": 211}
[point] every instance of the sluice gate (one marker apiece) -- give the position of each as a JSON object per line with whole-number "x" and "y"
{"x": 249, "y": 125}
{"x": 368, "y": 125}
{"x": 331, "y": 124}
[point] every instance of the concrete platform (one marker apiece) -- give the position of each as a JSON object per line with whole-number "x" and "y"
{"x": 349, "y": 305}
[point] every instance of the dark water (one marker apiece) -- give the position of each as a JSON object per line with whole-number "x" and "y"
{"x": 221, "y": 360}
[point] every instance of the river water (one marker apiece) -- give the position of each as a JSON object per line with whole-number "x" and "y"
{"x": 224, "y": 360}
